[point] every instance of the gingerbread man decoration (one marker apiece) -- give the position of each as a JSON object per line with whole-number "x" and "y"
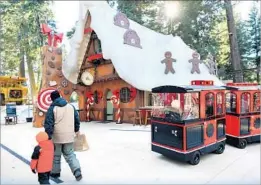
{"x": 195, "y": 63}
{"x": 168, "y": 62}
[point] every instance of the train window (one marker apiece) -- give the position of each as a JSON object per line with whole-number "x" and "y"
{"x": 125, "y": 95}
{"x": 257, "y": 123}
{"x": 191, "y": 106}
{"x": 256, "y": 103}
{"x": 220, "y": 103}
{"x": 209, "y": 100}
{"x": 245, "y": 103}
{"x": 231, "y": 102}
{"x": 179, "y": 106}
{"x": 158, "y": 105}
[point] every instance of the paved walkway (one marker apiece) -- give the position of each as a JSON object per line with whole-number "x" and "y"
{"x": 122, "y": 154}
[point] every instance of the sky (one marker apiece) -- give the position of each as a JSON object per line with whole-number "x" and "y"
{"x": 67, "y": 13}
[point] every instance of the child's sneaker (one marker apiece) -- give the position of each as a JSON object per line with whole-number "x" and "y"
{"x": 55, "y": 175}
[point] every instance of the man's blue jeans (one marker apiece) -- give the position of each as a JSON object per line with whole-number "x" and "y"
{"x": 68, "y": 153}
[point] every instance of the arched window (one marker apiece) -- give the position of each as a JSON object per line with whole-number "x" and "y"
{"x": 220, "y": 103}
{"x": 125, "y": 95}
{"x": 231, "y": 102}
{"x": 209, "y": 101}
{"x": 245, "y": 103}
{"x": 256, "y": 102}
{"x": 96, "y": 44}
{"x": 74, "y": 100}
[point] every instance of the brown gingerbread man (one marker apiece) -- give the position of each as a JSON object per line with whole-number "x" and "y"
{"x": 195, "y": 63}
{"x": 168, "y": 62}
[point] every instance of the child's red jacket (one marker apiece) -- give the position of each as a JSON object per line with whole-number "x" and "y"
{"x": 42, "y": 157}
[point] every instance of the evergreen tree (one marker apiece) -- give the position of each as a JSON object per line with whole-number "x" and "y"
{"x": 253, "y": 25}
{"x": 22, "y": 37}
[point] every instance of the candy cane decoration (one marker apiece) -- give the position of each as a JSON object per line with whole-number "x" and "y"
{"x": 88, "y": 111}
{"x": 115, "y": 100}
{"x": 90, "y": 101}
{"x": 118, "y": 116}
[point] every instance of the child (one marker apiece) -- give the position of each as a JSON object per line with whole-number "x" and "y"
{"x": 42, "y": 158}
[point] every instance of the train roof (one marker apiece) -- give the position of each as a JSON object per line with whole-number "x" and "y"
{"x": 186, "y": 89}
{"x": 244, "y": 88}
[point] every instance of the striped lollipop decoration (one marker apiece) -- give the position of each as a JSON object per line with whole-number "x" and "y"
{"x": 115, "y": 100}
{"x": 44, "y": 99}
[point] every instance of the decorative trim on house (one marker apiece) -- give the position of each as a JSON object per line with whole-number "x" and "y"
{"x": 95, "y": 57}
{"x": 87, "y": 30}
{"x": 106, "y": 78}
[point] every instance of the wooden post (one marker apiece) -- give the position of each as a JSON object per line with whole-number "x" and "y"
{"x": 236, "y": 61}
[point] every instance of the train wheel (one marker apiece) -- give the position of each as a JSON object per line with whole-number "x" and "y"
{"x": 195, "y": 159}
{"x": 242, "y": 144}
{"x": 220, "y": 149}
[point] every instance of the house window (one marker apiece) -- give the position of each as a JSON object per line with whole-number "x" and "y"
{"x": 220, "y": 103}
{"x": 209, "y": 100}
{"x": 231, "y": 102}
{"x": 245, "y": 103}
{"x": 96, "y": 44}
{"x": 95, "y": 97}
{"x": 150, "y": 102}
{"x": 125, "y": 95}
{"x": 256, "y": 102}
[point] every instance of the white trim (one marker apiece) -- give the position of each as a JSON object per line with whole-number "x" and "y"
{"x": 158, "y": 145}
{"x": 243, "y": 136}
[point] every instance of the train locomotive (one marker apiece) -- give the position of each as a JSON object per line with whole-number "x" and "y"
{"x": 188, "y": 121}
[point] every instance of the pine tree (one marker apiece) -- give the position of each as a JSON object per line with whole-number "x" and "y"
{"x": 253, "y": 25}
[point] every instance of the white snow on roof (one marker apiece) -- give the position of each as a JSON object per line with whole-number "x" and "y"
{"x": 141, "y": 68}
{"x": 245, "y": 88}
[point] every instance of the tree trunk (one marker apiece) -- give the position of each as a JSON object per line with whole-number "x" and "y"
{"x": 31, "y": 77}
{"x": 21, "y": 65}
{"x": 235, "y": 56}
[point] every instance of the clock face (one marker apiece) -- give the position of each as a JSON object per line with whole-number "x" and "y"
{"x": 87, "y": 78}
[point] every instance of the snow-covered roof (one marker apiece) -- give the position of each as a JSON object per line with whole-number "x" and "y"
{"x": 141, "y": 68}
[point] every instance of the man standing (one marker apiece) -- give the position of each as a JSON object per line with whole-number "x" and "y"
{"x": 61, "y": 124}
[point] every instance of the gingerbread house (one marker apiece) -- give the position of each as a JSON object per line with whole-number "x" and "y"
{"x": 116, "y": 62}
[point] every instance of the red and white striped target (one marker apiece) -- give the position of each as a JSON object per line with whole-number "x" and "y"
{"x": 44, "y": 99}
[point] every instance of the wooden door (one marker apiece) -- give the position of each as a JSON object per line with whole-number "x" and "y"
{"x": 109, "y": 107}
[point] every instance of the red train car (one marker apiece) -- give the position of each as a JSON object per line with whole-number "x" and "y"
{"x": 188, "y": 121}
{"x": 243, "y": 113}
